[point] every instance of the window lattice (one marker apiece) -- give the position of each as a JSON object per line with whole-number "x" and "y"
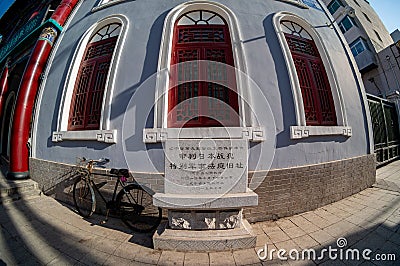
{"x": 205, "y": 95}
{"x": 201, "y": 17}
{"x": 194, "y": 34}
{"x": 302, "y": 46}
{"x": 100, "y": 50}
{"x": 318, "y": 102}
{"x": 86, "y": 105}
{"x": 291, "y": 28}
{"x": 108, "y": 31}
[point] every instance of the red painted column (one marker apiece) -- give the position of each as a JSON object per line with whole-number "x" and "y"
{"x": 19, "y": 153}
{"x": 3, "y": 89}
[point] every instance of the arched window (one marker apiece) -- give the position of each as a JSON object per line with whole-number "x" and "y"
{"x": 90, "y": 84}
{"x": 319, "y": 107}
{"x": 203, "y": 83}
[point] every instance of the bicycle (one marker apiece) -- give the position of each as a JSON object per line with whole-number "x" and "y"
{"x": 132, "y": 204}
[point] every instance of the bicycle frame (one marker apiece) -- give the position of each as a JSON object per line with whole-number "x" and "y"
{"x": 117, "y": 183}
{"x": 89, "y": 174}
{"x": 130, "y": 202}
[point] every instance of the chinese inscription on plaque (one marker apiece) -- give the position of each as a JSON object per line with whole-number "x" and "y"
{"x": 206, "y": 166}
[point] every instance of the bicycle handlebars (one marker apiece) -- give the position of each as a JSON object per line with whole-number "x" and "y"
{"x": 92, "y": 161}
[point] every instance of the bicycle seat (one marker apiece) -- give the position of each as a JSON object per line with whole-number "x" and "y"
{"x": 121, "y": 172}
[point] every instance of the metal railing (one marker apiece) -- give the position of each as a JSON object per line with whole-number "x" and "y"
{"x": 385, "y": 128}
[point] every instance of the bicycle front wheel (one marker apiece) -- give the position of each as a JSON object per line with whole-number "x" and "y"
{"x": 84, "y": 197}
{"x": 137, "y": 210}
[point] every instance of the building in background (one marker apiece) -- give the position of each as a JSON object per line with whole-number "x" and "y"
{"x": 367, "y": 36}
{"x": 395, "y": 35}
{"x": 377, "y": 57}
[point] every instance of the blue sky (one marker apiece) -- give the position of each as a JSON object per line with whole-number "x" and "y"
{"x": 4, "y": 5}
{"x": 388, "y": 10}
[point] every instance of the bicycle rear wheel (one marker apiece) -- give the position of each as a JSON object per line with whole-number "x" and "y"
{"x": 137, "y": 210}
{"x": 84, "y": 197}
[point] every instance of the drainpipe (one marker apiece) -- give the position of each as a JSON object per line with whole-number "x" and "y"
{"x": 19, "y": 152}
{"x": 3, "y": 89}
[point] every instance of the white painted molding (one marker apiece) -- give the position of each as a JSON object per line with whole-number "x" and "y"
{"x": 106, "y": 136}
{"x": 106, "y": 3}
{"x": 339, "y": 103}
{"x": 295, "y": 2}
{"x": 155, "y": 135}
{"x": 74, "y": 67}
{"x": 301, "y": 132}
{"x": 164, "y": 60}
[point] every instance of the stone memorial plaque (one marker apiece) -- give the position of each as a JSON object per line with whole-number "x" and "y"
{"x": 206, "y": 166}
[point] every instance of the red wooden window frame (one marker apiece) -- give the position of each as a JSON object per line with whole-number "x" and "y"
{"x": 86, "y": 104}
{"x": 319, "y": 107}
{"x": 202, "y": 42}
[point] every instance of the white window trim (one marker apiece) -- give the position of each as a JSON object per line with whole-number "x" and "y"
{"x": 331, "y": 3}
{"x": 295, "y": 2}
{"x": 358, "y": 40}
{"x": 351, "y": 22}
{"x": 107, "y": 136}
{"x": 160, "y": 131}
{"x": 106, "y": 3}
{"x": 104, "y": 133}
{"x": 301, "y": 130}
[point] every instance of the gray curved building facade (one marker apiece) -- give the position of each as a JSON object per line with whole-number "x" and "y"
{"x": 112, "y": 89}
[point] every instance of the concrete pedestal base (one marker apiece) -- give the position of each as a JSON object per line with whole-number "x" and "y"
{"x": 207, "y": 240}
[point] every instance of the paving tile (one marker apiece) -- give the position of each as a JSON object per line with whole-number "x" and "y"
{"x": 339, "y": 229}
{"x": 146, "y": 255}
{"x": 201, "y": 259}
{"x": 278, "y": 236}
{"x": 221, "y": 258}
{"x": 18, "y": 254}
{"x": 171, "y": 258}
{"x": 300, "y": 263}
{"x": 390, "y": 248}
{"x": 305, "y": 241}
{"x": 304, "y": 224}
{"x": 246, "y": 257}
{"x": 356, "y": 219}
{"x": 384, "y": 232}
{"x": 107, "y": 245}
{"x": 62, "y": 260}
{"x": 257, "y": 228}
{"x": 285, "y": 224}
{"x": 275, "y": 262}
{"x": 96, "y": 257}
{"x": 287, "y": 245}
{"x": 115, "y": 260}
{"x": 262, "y": 240}
{"x": 353, "y": 205}
{"x": 395, "y": 238}
{"x": 77, "y": 252}
{"x": 270, "y": 227}
{"x": 332, "y": 263}
{"x": 317, "y": 220}
{"x": 127, "y": 251}
{"x": 294, "y": 232}
{"x": 341, "y": 213}
{"x": 327, "y": 215}
{"x": 389, "y": 197}
{"x": 372, "y": 241}
{"x": 322, "y": 237}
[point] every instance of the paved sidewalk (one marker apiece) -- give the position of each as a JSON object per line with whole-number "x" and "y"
{"x": 388, "y": 177}
{"x": 42, "y": 231}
